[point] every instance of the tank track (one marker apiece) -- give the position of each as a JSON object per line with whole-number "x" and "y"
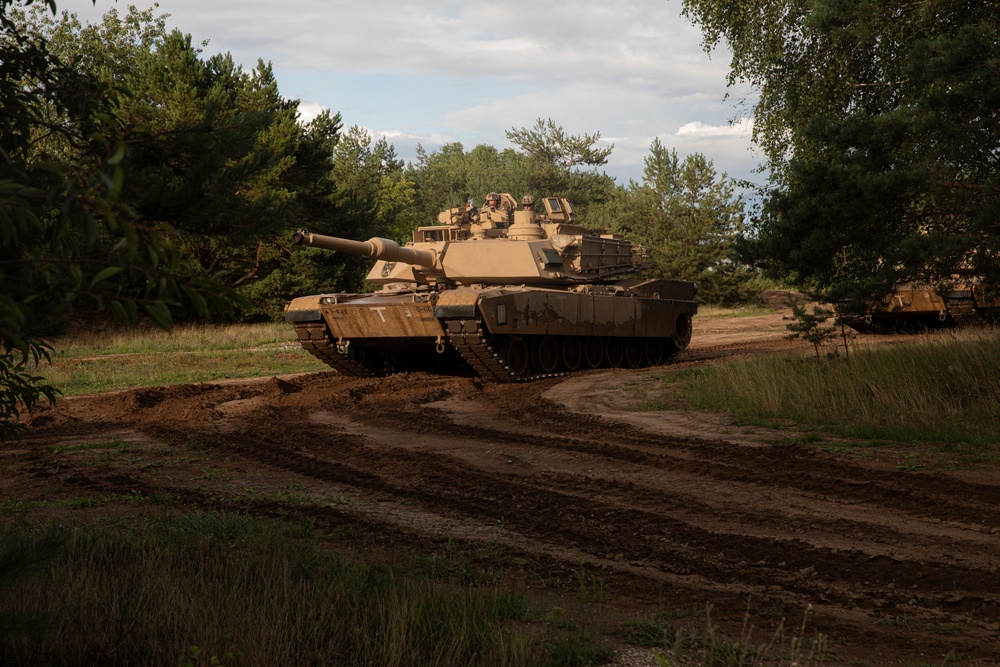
{"x": 466, "y": 336}
{"x": 314, "y": 339}
{"x": 964, "y": 313}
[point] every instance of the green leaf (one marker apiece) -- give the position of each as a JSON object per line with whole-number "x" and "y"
{"x": 116, "y": 159}
{"x": 76, "y": 275}
{"x": 117, "y": 178}
{"x": 197, "y": 301}
{"x": 118, "y": 310}
{"x": 160, "y": 314}
{"x": 104, "y": 274}
{"x": 90, "y": 228}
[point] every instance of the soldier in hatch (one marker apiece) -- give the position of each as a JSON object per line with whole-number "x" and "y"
{"x": 494, "y": 212}
{"x": 528, "y": 202}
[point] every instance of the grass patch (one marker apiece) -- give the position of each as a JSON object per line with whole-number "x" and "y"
{"x": 804, "y": 439}
{"x": 183, "y": 338}
{"x": 471, "y": 565}
{"x": 651, "y": 404}
{"x": 939, "y": 387}
{"x": 212, "y": 588}
{"x": 17, "y": 507}
{"x": 721, "y": 313}
{"x": 91, "y": 363}
{"x": 301, "y": 498}
{"x": 110, "y": 445}
{"x": 84, "y": 502}
{"x": 687, "y": 644}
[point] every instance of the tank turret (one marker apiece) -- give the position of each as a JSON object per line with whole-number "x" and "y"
{"x": 524, "y": 248}
{"x": 513, "y": 294}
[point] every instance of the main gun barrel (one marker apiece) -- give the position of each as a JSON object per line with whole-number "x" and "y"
{"x": 373, "y": 248}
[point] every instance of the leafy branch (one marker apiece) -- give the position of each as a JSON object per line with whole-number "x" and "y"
{"x": 810, "y": 326}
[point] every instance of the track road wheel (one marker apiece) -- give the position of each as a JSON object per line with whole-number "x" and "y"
{"x": 614, "y": 351}
{"x": 545, "y": 354}
{"x": 633, "y": 352}
{"x": 372, "y": 359}
{"x": 515, "y": 354}
{"x": 682, "y": 331}
{"x": 572, "y": 352}
{"x": 654, "y": 351}
{"x": 593, "y": 352}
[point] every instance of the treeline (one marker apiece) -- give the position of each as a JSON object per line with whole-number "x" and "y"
{"x": 880, "y": 125}
{"x": 216, "y": 160}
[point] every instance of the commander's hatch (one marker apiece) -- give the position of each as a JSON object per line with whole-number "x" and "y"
{"x": 558, "y": 209}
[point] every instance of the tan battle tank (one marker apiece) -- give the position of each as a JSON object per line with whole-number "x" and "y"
{"x": 513, "y": 294}
{"x": 919, "y": 306}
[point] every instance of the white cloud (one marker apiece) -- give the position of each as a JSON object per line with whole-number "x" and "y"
{"x": 309, "y": 110}
{"x": 436, "y": 71}
{"x": 740, "y": 128}
{"x": 642, "y": 41}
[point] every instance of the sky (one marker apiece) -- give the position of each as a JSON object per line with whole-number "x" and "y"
{"x": 439, "y": 71}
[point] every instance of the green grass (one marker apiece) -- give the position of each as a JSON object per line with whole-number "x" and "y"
{"x": 85, "y": 502}
{"x": 17, "y": 507}
{"x": 115, "y": 445}
{"x": 183, "y": 338}
{"x": 97, "y": 362}
{"x": 721, "y": 313}
{"x": 212, "y": 588}
{"x": 215, "y": 588}
{"x": 301, "y": 498}
{"x": 689, "y": 644}
{"x": 941, "y": 387}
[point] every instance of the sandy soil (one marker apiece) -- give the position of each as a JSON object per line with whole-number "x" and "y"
{"x": 672, "y": 510}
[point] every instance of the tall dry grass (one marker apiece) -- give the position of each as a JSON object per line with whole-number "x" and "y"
{"x": 943, "y": 386}
{"x": 119, "y": 339}
{"x": 226, "y": 589}
{"x": 121, "y": 358}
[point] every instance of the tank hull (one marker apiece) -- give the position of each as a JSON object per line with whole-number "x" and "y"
{"x": 503, "y": 333}
{"x": 918, "y": 307}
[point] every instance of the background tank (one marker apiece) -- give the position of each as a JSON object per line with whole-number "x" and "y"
{"x": 513, "y": 294}
{"x": 919, "y": 306}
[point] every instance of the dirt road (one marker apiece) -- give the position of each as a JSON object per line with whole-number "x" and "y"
{"x": 671, "y": 510}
